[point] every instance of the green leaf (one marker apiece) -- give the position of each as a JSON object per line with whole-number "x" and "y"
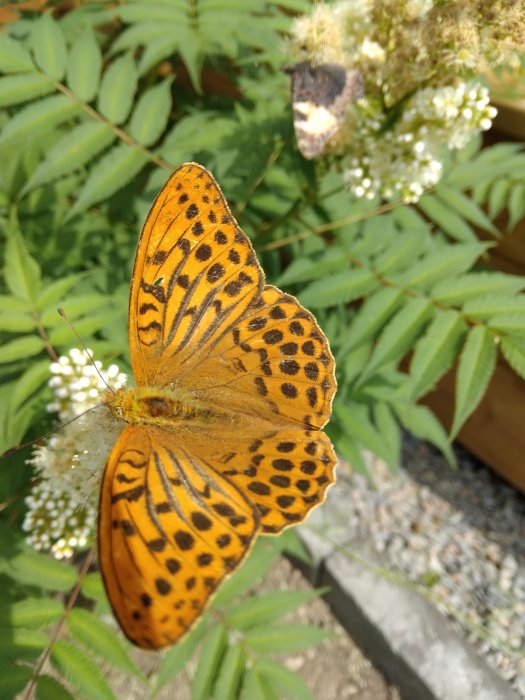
{"x": 465, "y": 207}
{"x": 22, "y": 272}
{"x": 150, "y": 116}
{"x": 84, "y": 327}
{"x": 511, "y": 324}
{"x": 20, "y": 348}
{"x": 48, "y": 688}
{"x": 118, "y": 89}
{"x": 401, "y": 253}
{"x": 422, "y": 423}
{"x": 98, "y": 638}
{"x": 373, "y": 314}
{"x": 441, "y": 264}
{"x": 28, "y": 383}
{"x": 435, "y": 352}
{"x": 176, "y": 658}
{"x": 13, "y": 679}
{"x": 338, "y": 289}
{"x": 84, "y": 66}
{"x": 253, "y": 569}
{"x": 112, "y": 172}
{"x": 255, "y": 687}
{"x": 470, "y": 172}
{"x": 230, "y": 673}
{"x": 31, "y": 613}
{"x": 14, "y": 321}
{"x": 34, "y": 569}
{"x": 490, "y": 305}
{"x": 20, "y": 643}
{"x": 80, "y": 671}
{"x": 169, "y": 13}
{"x": 284, "y": 680}
{"x": 211, "y": 655}
{"x": 389, "y": 429}
{"x": 22, "y": 88}
{"x": 55, "y": 292}
{"x": 49, "y": 46}
{"x": 156, "y": 51}
{"x": 357, "y": 424}
{"x": 398, "y": 335}
{"x": 71, "y": 152}
{"x": 476, "y": 365}
{"x": 283, "y": 639}
{"x": 92, "y": 587}
{"x": 75, "y": 307}
{"x": 498, "y": 196}
{"x": 13, "y": 56}
{"x": 450, "y": 222}
{"x": 307, "y": 269}
{"x": 352, "y": 452}
{"x": 38, "y": 118}
{"x": 516, "y": 204}
{"x": 474, "y": 285}
{"x": 192, "y": 49}
{"x": 268, "y": 607}
{"x": 513, "y": 350}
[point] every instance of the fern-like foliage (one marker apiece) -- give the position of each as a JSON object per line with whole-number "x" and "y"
{"x": 97, "y": 106}
{"x": 30, "y": 612}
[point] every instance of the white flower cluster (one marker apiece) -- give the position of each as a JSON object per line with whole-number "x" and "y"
{"x": 77, "y": 385}
{"x": 62, "y": 506}
{"x": 58, "y": 521}
{"x": 391, "y": 145}
{"x": 406, "y": 160}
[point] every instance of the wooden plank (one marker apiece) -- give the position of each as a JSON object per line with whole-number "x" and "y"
{"x": 495, "y": 432}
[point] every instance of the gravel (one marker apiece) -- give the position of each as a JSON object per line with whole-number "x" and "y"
{"x": 459, "y": 536}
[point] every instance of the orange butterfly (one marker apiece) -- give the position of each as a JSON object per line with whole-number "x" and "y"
{"x": 234, "y": 382}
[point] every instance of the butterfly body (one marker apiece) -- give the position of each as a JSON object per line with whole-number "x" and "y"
{"x": 223, "y": 438}
{"x": 161, "y": 406}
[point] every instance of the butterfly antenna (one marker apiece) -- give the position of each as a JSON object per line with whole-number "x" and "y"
{"x": 84, "y": 348}
{"x": 12, "y": 450}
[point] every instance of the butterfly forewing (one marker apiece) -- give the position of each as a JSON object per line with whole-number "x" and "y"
{"x": 195, "y": 273}
{"x": 170, "y": 531}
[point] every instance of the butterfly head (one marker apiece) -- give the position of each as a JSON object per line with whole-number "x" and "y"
{"x": 118, "y": 402}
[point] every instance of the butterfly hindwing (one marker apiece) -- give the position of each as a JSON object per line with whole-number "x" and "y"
{"x": 274, "y": 364}
{"x": 170, "y": 531}
{"x": 285, "y": 473}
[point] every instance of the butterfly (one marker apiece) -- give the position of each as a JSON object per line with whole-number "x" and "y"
{"x": 234, "y": 382}
{"x": 321, "y": 98}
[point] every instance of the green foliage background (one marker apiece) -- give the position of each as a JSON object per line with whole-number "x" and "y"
{"x": 96, "y": 108}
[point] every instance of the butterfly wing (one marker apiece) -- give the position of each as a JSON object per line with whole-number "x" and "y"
{"x": 284, "y": 473}
{"x": 170, "y": 531}
{"x": 274, "y": 364}
{"x": 195, "y": 274}
{"x": 321, "y": 97}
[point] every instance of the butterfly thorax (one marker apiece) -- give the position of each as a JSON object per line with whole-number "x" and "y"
{"x": 161, "y": 406}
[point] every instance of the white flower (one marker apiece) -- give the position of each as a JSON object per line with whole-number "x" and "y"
{"x": 371, "y": 50}
{"x": 62, "y": 506}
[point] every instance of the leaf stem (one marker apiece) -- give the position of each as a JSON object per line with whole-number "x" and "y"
{"x": 122, "y": 135}
{"x": 58, "y": 629}
{"x": 326, "y": 228}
